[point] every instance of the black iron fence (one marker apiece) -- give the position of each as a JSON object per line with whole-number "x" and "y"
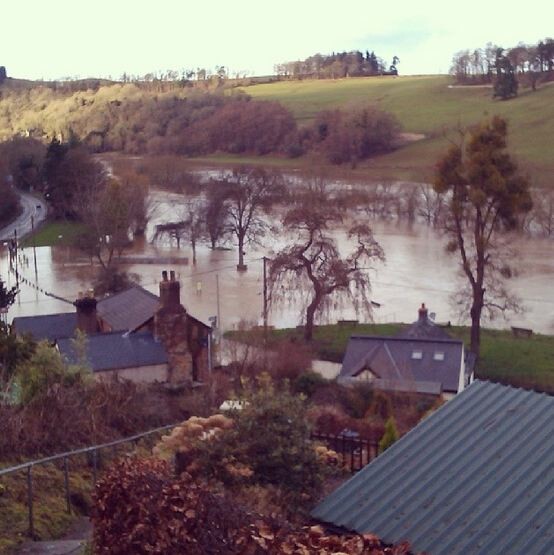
{"x": 355, "y": 452}
{"x": 93, "y": 456}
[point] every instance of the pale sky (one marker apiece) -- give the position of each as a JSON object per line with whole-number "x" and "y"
{"x": 59, "y": 38}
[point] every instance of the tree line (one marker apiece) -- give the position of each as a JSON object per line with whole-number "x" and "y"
{"x": 505, "y": 67}
{"x": 337, "y": 65}
{"x": 128, "y": 119}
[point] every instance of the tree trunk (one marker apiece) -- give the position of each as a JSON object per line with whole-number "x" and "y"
{"x": 310, "y": 318}
{"x": 475, "y": 312}
{"x": 241, "y": 266}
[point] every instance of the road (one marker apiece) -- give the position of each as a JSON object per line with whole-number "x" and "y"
{"x": 33, "y": 208}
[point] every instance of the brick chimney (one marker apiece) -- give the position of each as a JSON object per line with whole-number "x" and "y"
{"x": 171, "y": 328}
{"x": 87, "y": 319}
{"x": 170, "y": 291}
{"x": 422, "y": 313}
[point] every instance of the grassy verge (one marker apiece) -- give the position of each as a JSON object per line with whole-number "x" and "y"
{"x": 54, "y": 233}
{"x": 525, "y": 363}
{"x": 51, "y": 519}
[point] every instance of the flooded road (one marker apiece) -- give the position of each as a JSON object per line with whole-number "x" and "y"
{"x": 417, "y": 270}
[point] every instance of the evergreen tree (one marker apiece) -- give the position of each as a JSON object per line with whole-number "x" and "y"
{"x": 505, "y": 84}
{"x": 390, "y": 436}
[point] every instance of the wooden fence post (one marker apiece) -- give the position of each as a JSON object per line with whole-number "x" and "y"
{"x": 66, "y": 481}
{"x": 30, "y": 501}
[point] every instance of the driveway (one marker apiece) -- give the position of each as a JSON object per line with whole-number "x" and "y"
{"x": 33, "y": 208}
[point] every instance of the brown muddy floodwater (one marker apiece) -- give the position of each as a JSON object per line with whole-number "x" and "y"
{"x": 417, "y": 270}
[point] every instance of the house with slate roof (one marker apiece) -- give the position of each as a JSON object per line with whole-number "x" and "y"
{"x": 474, "y": 477}
{"x": 422, "y": 358}
{"x": 134, "y": 334}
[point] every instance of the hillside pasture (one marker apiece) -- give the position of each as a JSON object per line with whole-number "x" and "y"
{"x": 428, "y": 105}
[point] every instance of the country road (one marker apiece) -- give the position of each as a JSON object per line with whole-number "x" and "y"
{"x": 33, "y": 207}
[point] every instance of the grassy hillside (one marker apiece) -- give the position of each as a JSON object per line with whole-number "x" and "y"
{"x": 427, "y": 105}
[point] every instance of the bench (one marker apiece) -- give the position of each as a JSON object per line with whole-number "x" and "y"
{"x": 522, "y": 332}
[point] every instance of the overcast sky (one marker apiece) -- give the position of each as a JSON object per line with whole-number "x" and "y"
{"x": 59, "y": 38}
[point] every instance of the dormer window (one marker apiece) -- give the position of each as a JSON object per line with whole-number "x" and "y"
{"x": 438, "y": 355}
{"x": 417, "y": 355}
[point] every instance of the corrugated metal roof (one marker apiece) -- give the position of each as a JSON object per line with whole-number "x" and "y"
{"x": 390, "y": 358}
{"x": 477, "y": 476}
{"x": 114, "y": 351}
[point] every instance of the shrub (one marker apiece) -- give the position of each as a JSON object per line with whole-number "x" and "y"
{"x": 390, "y": 435}
{"x": 267, "y": 443}
{"x": 142, "y": 508}
{"x": 308, "y": 383}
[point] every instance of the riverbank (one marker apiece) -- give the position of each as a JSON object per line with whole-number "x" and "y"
{"x": 520, "y": 362}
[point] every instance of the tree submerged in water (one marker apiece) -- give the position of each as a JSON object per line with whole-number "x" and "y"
{"x": 313, "y": 265}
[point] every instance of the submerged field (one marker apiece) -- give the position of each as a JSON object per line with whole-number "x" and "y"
{"x": 427, "y": 105}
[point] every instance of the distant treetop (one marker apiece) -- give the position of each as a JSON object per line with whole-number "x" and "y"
{"x": 337, "y": 65}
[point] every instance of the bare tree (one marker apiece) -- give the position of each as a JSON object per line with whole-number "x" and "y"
{"x": 313, "y": 264}
{"x": 431, "y": 205}
{"x": 215, "y": 212}
{"x": 108, "y": 221}
{"x": 191, "y": 227}
{"x": 544, "y": 213}
{"x": 250, "y": 193}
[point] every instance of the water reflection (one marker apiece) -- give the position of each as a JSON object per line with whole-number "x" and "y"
{"x": 417, "y": 270}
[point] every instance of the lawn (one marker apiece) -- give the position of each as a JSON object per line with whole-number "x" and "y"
{"x": 519, "y": 362}
{"x": 54, "y": 233}
{"x": 427, "y": 105}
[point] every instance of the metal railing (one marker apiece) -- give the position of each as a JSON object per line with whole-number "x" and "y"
{"x": 92, "y": 450}
{"x": 355, "y": 452}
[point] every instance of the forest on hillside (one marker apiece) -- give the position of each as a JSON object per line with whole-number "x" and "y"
{"x": 131, "y": 119}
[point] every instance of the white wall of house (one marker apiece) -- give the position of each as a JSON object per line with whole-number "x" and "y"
{"x": 141, "y": 374}
{"x": 462, "y": 374}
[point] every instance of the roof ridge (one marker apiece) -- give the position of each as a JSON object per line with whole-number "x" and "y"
{"x": 404, "y": 339}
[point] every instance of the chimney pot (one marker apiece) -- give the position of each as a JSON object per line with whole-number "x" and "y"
{"x": 422, "y": 313}
{"x": 170, "y": 294}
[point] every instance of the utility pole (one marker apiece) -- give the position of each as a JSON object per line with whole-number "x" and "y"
{"x": 34, "y": 245}
{"x": 217, "y": 300}
{"x": 265, "y": 259}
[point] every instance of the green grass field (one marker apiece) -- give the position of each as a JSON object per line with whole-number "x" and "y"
{"x": 519, "y": 362}
{"x": 427, "y": 105}
{"x": 54, "y": 233}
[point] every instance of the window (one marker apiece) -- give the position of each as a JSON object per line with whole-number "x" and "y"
{"x": 417, "y": 355}
{"x": 439, "y": 355}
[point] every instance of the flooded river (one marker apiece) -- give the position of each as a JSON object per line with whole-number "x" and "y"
{"x": 417, "y": 270}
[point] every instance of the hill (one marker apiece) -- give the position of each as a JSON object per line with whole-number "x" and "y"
{"x": 131, "y": 117}
{"x": 428, "y": 105}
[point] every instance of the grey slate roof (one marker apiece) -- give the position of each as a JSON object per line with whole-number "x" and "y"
{"x": 390, "y": 358}
{"x": 50, "y": 327}
{"x": 128, "y": 310}
{"x": 475, "y": 477}
{"x": 115, "y": 351}
{"x": 424, "y": 328}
